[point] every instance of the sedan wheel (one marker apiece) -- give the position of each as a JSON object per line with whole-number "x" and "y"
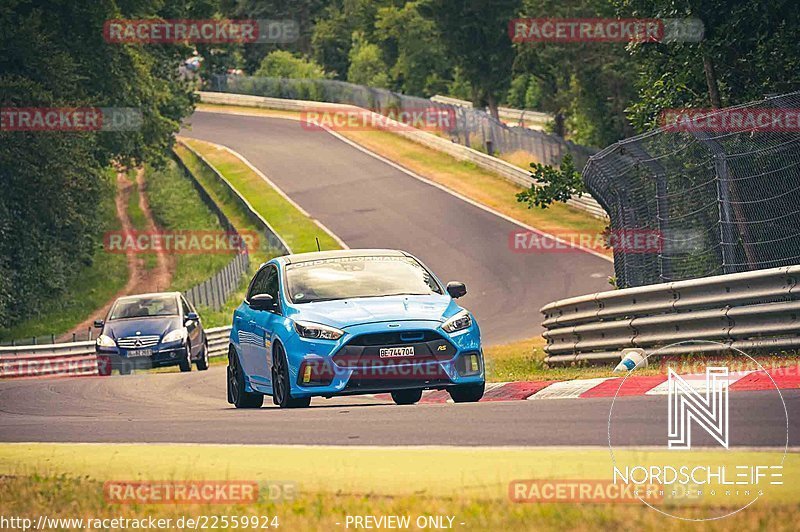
{"x": 202, "y": 362}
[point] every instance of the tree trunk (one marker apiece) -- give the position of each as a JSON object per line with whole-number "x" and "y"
{"x": 711, "y": 80}
{"x": 492, "y": 103}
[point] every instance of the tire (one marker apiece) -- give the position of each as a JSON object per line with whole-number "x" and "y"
{"x": 125, "y": 368}
{"x": 103, "y": 365}
{"x": 237, "y": 395}
{"x": 186, "y": 362}
{"x": 202, "y": 362}
{"x": 281, "y": 386}
{"x": 467, "y": 393}
{"x": 406, "y": 397}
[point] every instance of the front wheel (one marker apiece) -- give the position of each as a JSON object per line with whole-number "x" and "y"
{"x": 406, "y": 397}
{"x": 186, "y": 363}
{"x": 237, "y": 395}
{"x": 202, "y": 362}
{"x": 281, "y": 385}
{"x": 467, "y": 393}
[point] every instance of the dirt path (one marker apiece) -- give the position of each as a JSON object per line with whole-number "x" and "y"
{"x": 140, "y": 279}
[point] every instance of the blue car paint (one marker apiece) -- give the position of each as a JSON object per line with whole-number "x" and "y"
{"x": 254, "y": 334}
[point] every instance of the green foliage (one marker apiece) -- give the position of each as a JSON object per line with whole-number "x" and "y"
{"x": 412, "y": 46}
{"x": 475, "y": 35}
{"x": 53, "y": 54}
{"x": 283, "y": 64}
{"x": 552, "y": 184}
{"x": 366, "y": 64}
{"x": 751, "y": 47}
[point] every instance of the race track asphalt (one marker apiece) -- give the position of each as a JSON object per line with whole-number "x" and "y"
{"x": 370, "y": 204}
{"x": 191, "y": 408}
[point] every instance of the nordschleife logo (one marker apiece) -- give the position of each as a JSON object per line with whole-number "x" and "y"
{"x": 709, "y": 411}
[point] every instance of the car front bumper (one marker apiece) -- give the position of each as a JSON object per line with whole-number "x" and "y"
{"x": 161, "y": 355}
{"x": 353, "y": 364}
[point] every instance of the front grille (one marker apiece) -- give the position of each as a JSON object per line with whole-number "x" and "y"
{"x": 138, "y": 342}
{"x": 365, "y": 350}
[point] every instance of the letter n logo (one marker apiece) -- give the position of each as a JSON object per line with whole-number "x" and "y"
{"x": 709, "y": 411}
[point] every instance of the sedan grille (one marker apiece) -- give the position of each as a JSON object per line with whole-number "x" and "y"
{"x": 136, "y": 342}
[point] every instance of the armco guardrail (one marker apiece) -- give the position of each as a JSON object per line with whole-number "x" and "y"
{"x": 748, "y": 311}
{"x": 76, "y": 359}
{"x": 500, "y": 167}
{"x": 521, "y": 117}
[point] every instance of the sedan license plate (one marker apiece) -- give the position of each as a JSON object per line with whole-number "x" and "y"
{"x": 140, "y": 353}
{"x": 392, "y": 352}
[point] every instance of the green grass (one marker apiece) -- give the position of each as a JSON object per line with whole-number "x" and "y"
{"x": 469, "y": 483}
{"x": 177, "y": 206}
{"x": 91, "y": 287}
{"x": 137, "y": 218}
{"x": 298, "y": 230}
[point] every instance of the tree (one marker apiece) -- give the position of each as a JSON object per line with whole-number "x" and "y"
{"x": 475, "y": 36}
{"x": 283, "y": 64}
{"x": 552, "y": 184}
{"x": 53, "y": 54}
{"x": 413, "y": 48}
{"x": 749, "y": 49}
{"x": 366, "y": 65}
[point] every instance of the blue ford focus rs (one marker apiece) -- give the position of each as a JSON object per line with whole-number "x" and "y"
{"x": 351, "y": 322}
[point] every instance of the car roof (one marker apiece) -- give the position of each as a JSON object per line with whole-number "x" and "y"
{"x": 151, "y": 294}
{"x": 340, "y": 253}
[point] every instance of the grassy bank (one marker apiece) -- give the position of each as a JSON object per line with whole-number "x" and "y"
{"x": 469, "y": 484}
{"x": 177, "y": 206}
{"x": 91, "y": 286}
{"x": 295, "y": 227}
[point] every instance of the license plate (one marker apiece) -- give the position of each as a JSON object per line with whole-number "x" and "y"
{"x": 140, "y": 353}
{"x": 391, "y": 352}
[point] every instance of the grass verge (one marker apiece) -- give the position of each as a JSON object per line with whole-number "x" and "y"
{"x": 177, "y": 206}
{"x": 92, "y": 285}
{"x": 295, "y": 227}
{"x": 469, "y": 484}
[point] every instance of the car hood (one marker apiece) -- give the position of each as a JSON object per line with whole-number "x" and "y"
{"x": 344, "y": 313}
{"x": 141, "y": 326}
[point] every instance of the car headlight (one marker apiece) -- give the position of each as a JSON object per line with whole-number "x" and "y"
{"x": 460, "y": 321}
{"x": 177, "y": 335}
{"x": 105, "y": 341}
{"x": 317, "y": 331}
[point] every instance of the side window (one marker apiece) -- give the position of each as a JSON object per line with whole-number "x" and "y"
{"x": 265, "y": 282}
{"x": 272, "y": 283}
{"x": 185, "y": 305}
{"x": 259, "y": 284}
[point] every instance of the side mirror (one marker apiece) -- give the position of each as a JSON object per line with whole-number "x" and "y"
{"x": 191, "y": 316}
{"x": 456, "y": 289}
{"x": 263, "y": 302}
{"x": 98, "y": 324}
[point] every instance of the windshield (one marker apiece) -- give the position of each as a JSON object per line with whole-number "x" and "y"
{"x": 350, "y": 277}
{"x": 143, "y": 307}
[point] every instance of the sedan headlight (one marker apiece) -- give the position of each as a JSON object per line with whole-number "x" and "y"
{"x": 317, "y": 331}
{"x": 105, "y": 341}
{"x": 460, "y": 321}
{"x": 178, "y": 335}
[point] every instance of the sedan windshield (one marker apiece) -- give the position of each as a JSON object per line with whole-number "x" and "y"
{"x": 143, "y": 307}
{"x": 351, "y": 277}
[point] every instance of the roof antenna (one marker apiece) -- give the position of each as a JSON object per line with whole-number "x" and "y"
{"x": 318, "y": 248}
